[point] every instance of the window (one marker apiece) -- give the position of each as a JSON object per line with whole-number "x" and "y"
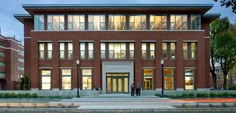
{"x": 148, "y": 79}
{"x": 117, "y": 50}
{"x": 185, "y": 50}
{"x": 193, "y": 51}
{"x": 144, "y": 50}
{"x": 2, "y": 64}
{"x": 20, "y": 52}
{"x": 117, "y": 22}
{"x": 189, "y": 78}
{"x": 21, "y": 68}
{"x": 38, "y": 22}
{"x": 2, "y": 54}
{"x": 46, "y": 79}
{"x": 131, "y": 50}
{"x": 137, "y": 22}
{"x": 90, "y": 50}
{"x": 76, "y": 22}
{"x": 168, "y": 79}
{"x": 70, "y": 50}
{"x": 195, "y": 22}
{"x": 82, "y": 50}
{"x": 103, "y": 50}
{"x": 96, "y": 22}
{"x": 164, "y": 50}
{"x": 152, "y": 51}
{"x": 2, "y": 44}
{"x": 178, "y": 22}
{"x": 62, "y": 50}
{"x": 158, "y": 22}
{"x": 41, "y": 50}
{"x": 87, "y": 78}
{"x": 66, "y": 78}
{"x": 172, "y": 50}
{"x": 55, "y": 22}
{"x": 2, "y": 74}
{"x": 20, "y": 60}
{"x": 49, "y": 51}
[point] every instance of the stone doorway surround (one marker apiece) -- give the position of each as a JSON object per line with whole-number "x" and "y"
{"x": 117, "y": 67}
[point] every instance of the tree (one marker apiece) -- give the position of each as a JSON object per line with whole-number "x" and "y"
{"x": 228, "y": 3}
{"x": 216, "y": 28}
{"x": 226, "y": 51}
{"x": 25, "y": 83}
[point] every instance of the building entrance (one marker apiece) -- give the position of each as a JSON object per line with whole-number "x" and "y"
{"x": 117, "y": 82}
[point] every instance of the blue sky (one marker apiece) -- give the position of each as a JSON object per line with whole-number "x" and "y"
{"x": 10, "y": 26}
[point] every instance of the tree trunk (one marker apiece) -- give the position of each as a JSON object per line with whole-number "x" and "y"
{"x": 214, "y": 81}
{"x": 225, "y": 82}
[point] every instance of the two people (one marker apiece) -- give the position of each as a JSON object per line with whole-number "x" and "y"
{"x": 135, "y": 87}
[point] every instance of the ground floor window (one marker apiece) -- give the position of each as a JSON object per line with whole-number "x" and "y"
{"x": 189, "y": 78}
{"x": 46, "y": 79}
{"x": 169, "y": 79}
{"x": 87, "y": 79}
{"x": 148, "y": 79}
{"x": 66, "y": 78}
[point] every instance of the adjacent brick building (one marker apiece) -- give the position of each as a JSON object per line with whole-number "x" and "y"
{"x": 108, "y": 47}
{"x": 11, "y": 63}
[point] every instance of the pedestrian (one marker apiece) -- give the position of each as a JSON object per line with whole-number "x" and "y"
{"x": 132, "y": 89}
{"x": 138, "y": 88}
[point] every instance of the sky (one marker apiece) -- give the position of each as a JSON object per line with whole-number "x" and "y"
{"x": 10, "y": 26}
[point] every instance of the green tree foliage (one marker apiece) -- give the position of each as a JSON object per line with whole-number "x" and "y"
{"x": 216, "y": 28}
{"x": 25, "y": 83}
{"x": 228, "y": 3}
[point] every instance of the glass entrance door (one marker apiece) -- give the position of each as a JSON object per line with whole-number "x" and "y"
{"x": 117, "y": 82}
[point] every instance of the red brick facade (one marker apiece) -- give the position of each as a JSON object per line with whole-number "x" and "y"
{"x": 33, "y": 64}
{"x": 12, "y": 56}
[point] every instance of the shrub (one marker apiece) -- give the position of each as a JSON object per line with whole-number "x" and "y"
{"x": 212, "y": 95}
{"x": 34, "y": 95}
{"x": 202, "y": 95}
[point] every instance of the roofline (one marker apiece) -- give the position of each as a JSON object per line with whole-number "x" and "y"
{"x": 22, "y": 15}
{"x": 33, "y": 6}
{"x": 212, "y": 15}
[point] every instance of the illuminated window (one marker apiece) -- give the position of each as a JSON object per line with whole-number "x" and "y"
{"x": 131, "y": 50}
{"x": 137, "y": 22}
{"x": 38, "y": 22}
{"x": 185, "y": 50}
{"x": 46, "y": 79}
{"x": 90, "y": 50}
{"x": 144, "y": 50}
{"x": 158, "y": 22}
{"x": 178, "y": 22}
{"x": 87, "y": 78}
{"x": 195, "y": 22}
{"x": 103, "y": 50}
{"x": 152, "y": 51}
{"x": 49, "y": 54}
{"x": 164, "y": 50}
{"x": 193, "y": 50}
{"x": 82, "y": 50}
{"x": 148, "y": 79}
{"x": 172, "y": 50}
{"x": 70, "y": 50}
{"x": 76, "y": 22}
{"x": 169, "y": 79}
{"x": 55, "y": 22}
{"x": 41, "y": 50}
{"x": 117, "y": 22}
{"x": 189, "y": 78}
{"x": 62, "y": 50}
{"x": 66, "y": 78}
{"x": 117, "y": 50}
{"x": 96, "y": 22}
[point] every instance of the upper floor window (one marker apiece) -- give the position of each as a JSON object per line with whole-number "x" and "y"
{"x": 178, "y": 22}
{"x": 2, "y": 64}
{"x": 76, "y": 22}
{"x": 195, "y": 22}
{"x": 38, "y": 22}
{"x": 103, "y": 50}
{"x": 20, "y": 60}
{"x": 66, "y": 46}
{"x": 131, "y": 50}
{"x": 96, "y": 22}
{"x": 148, "y": 50}
{"x": 158, "y": 22}
{"x": 117, "y": 50}
{"x": 82, "y": 50}
{"x": 190, "y": 47}
{"x": 2, "y": 54}
{"x": 45, "y": 50}
{"x": 137, "y": 22}
{"x": 55, "y": 22}
{"x": 49, "y": 51}
{"x": 117, "y": 22}
{"x": 168, "y": 50}
{"x": 90, "y": 50}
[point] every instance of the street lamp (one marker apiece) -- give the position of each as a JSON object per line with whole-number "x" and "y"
{"x": 162, "y": 77}
{"x": 77, "y": 64}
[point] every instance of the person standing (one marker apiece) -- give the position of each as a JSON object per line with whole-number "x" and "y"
{"x": 138, "y": 88}
{"x": 132, "y": 89}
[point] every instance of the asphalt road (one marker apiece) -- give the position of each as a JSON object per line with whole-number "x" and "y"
{"x": 60, "y": 110}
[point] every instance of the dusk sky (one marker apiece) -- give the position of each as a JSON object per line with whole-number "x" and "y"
{"x": 10, "y": 26}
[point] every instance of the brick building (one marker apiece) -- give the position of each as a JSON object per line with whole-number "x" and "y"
{"x": 11, "y": 63}
{"x": 108, "y": 47}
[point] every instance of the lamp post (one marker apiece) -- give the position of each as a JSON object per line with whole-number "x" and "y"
{"x": 77, "y": 64}
{"x": 162, "y": 77}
